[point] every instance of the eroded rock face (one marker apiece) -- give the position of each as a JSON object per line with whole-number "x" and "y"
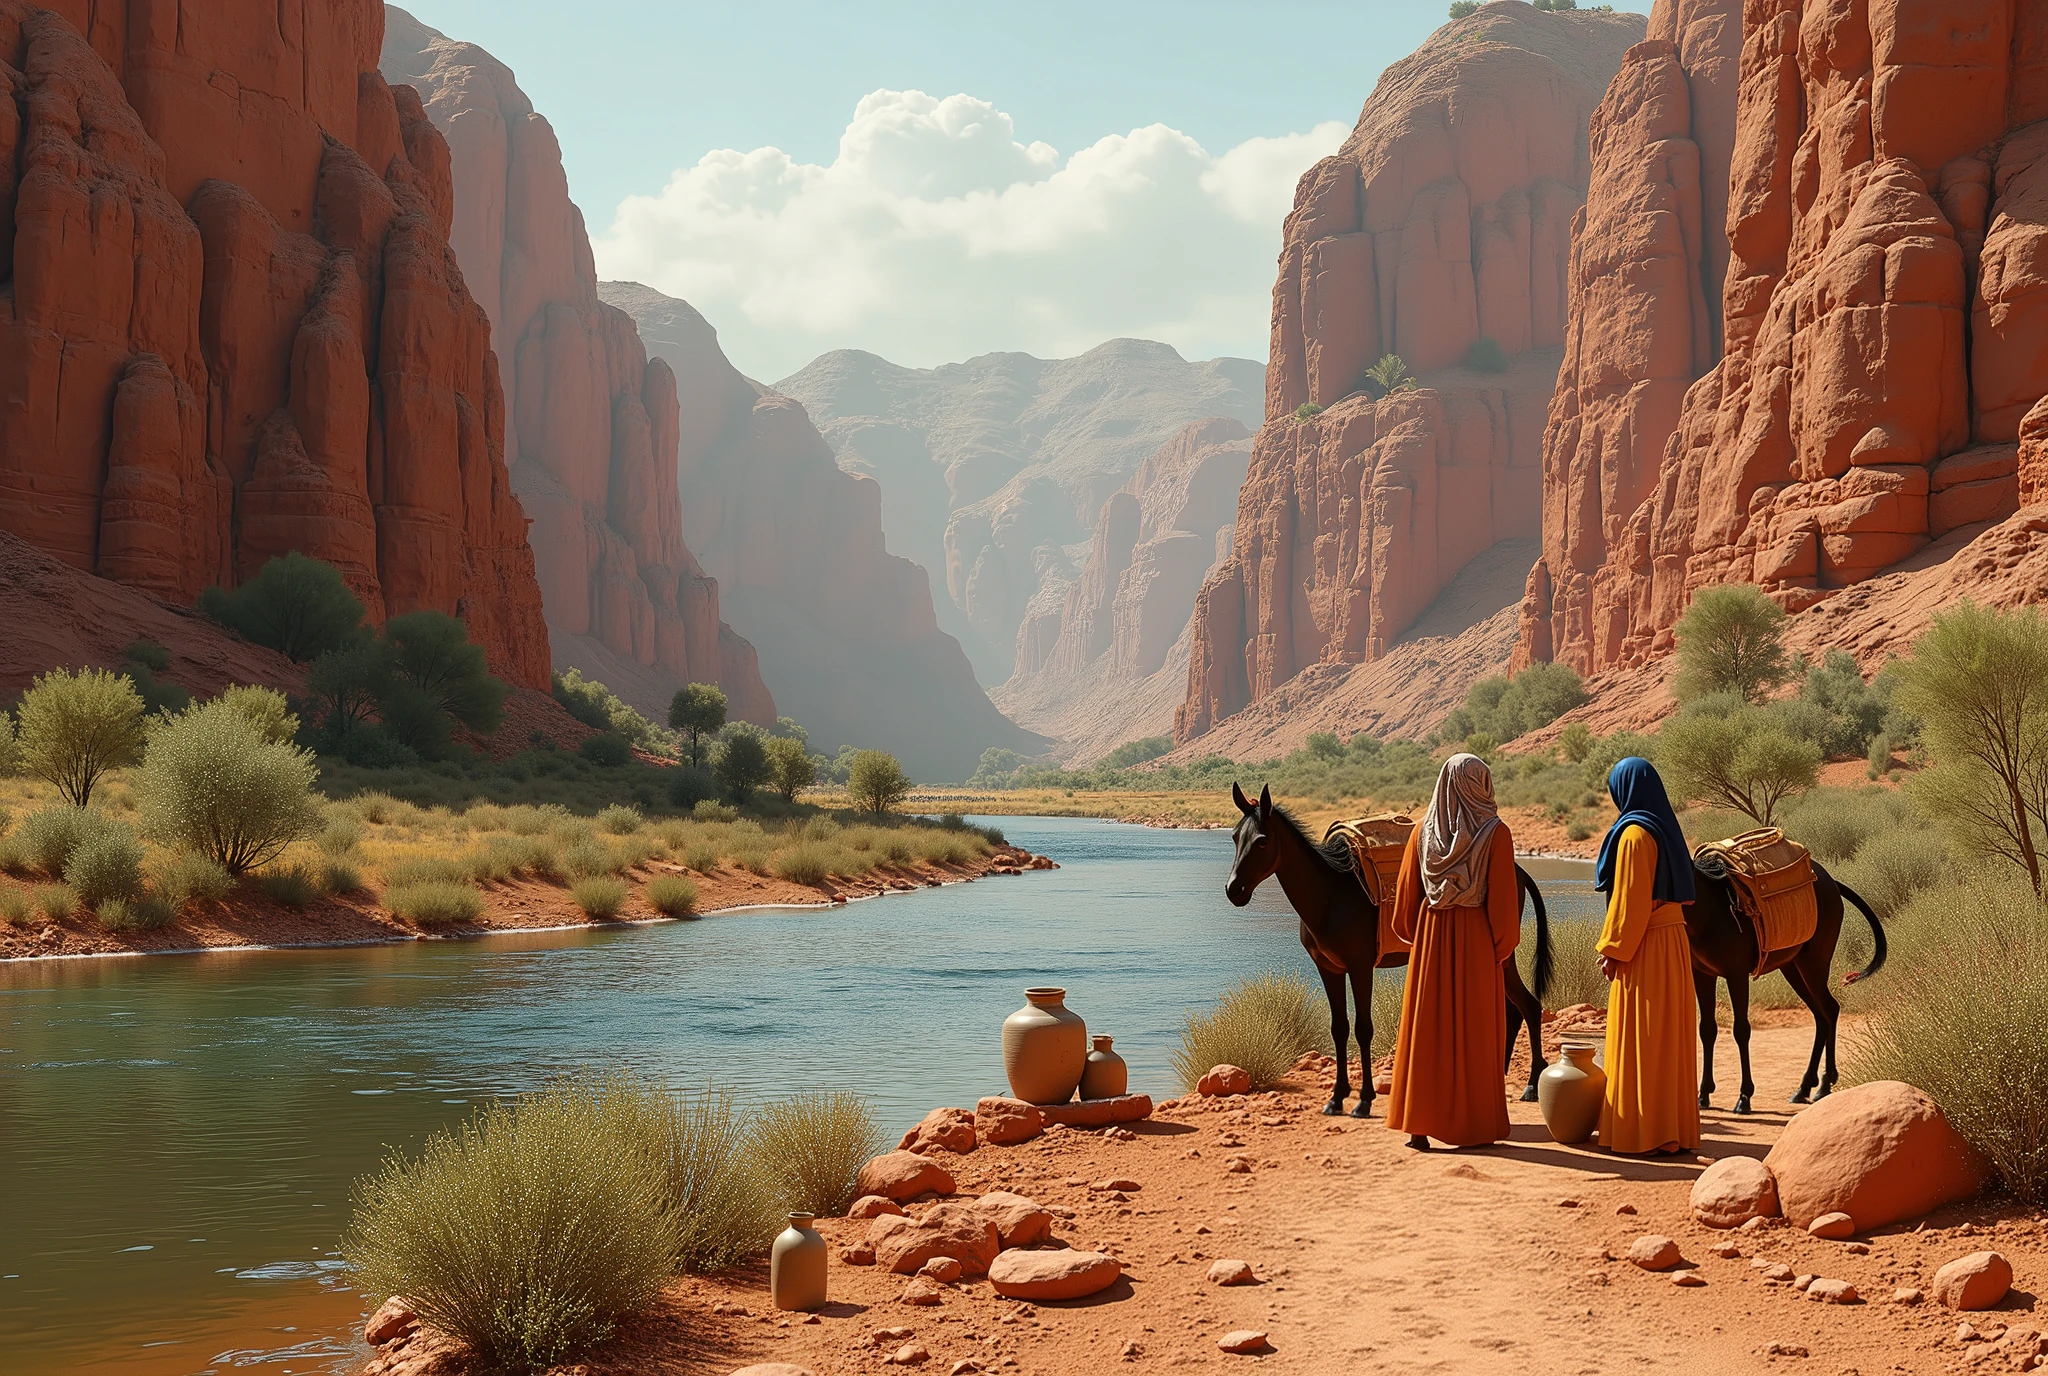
{"x": 1445, "y": 219}
{"x": 591, "y": 423}
{"x": 1885, "y": 317}
{"x": 234, "y": 326}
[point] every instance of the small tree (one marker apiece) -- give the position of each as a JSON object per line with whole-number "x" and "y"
{"x": 1387, "y": 376}
{"x": 741, "y": 763}
{"x": 349, "y": 682}
{"x": 432, "y": 652}
{"x": 1576, "y": 740}
{"x": 297, "y": 606}
{"x": 1743, "y": 761}
{"x": 697, "y": 710}
{"x": 76, "y": 727}
{"x": 1308, "y": 410}
{"x": 791, "y": 767}
{"x": 791, "y": 728}
{"x": 213, "y": 783}
{"x": 1731, "y": 640}
{"x": 1463, "y": 9}
{"x": 265, "y": 709}
{"x": 875, "y": 781}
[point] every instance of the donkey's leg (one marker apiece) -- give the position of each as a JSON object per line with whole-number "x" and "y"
{"x": 1796, "y": 977}
{"x": 1340, "y": 1035}
{"x": 1738, "y": 1005}
{"x": 1361, "y": 994}
{"x": 1524, "y": 1009}
{"x": 1703, "y": 995}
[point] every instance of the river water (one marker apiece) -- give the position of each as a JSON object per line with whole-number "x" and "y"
{"x": 178, "y": 1135}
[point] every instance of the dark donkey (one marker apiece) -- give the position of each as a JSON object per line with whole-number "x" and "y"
{"x": 1340, "y": 929}
{"x": 1724, "y": 948}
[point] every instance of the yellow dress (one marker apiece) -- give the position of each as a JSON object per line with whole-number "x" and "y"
{"x": 1653, "y": 1079}
{"x": 1449, "y": 1054}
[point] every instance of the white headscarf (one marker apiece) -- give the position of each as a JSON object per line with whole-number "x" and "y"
{"x": 1457, "y": 834}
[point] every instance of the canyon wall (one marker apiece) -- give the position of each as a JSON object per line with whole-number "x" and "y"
{"x": 1444, "y": 220}
{"x": 231, "y": 324}
{"x": 591, "y": 423}
{"x": 994, "y": 471}
{"x": 1885, "y": 311}
{"x": 845, "y": 630}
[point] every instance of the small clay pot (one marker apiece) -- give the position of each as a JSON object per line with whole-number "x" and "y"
{"x": 1045, "y": 1048}
{"x": 796, "y": 1265}
{"x": 1570, "y": 1092}
{"x": 1105, "y": 1076}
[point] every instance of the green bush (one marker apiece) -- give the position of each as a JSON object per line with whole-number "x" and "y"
{"x": 606, "y": 749}
{"x": 596, "y": 706}
{"x": 713, "y": 1195}
{"x": 212, "y": 783}
{"x": 1574, "y": 962}
{"x": 431, "y": 651}
{"x": 803, "y": 864}
{"x": 1387, "y": 376}
{"x": 1576, "y": 742}
{"x": 600, "y": 896}
{"x": 350, "y": 682}
{"x": 1389, "y": 988}
{"x": 10, "y": 747}
{"x": 875, "y": 781}
{"x": 75, "y": 727}
{"x": 297, "y": 606}
{"x": 701, "y": 856}
{"x": 106, "y": 865}
{"x": 712, "y": 811}
{"x": 56, "y": 901}
{"x": 340, "y": 877}
{"x": 435, "y": 903}
{"x": 1131, "y": 752}
{"x": 187, "y": 878}
{"x": 810, "y": 1146}
{"x": 518, "y": 1235}
{"x": 620, "y": 820}
{"x": 586, "y": 857}
{"x": 1486, "y": 355}
{"x": 265, "y": 709}
{"x": 1464, "y": 9}
{"x": 14, "y": 906}
{"x": 1893, "y": 866}
{"x": 1308, "y": 410}
{"x": 1578, "y": 829}
{"x": 1262, "y": 1024}
{"x": 49, "y": 835}
{"x": 113, "y": 914}
{"x": 697, "y": 711}
{"x": 1834, "y": 823}
{"x": 672, "y": 896}
{"x": 341, "y": 836}
{"x": 294, "y": 886}
{"x": 740, "y": 763}
{"x": 1608, "y": 751}
{"x": 1730, "y": 640}
{"x": 689, "y": 787}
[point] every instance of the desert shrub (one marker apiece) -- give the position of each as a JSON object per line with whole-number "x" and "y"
{"x": 150, "y": 654}
{"x": 10, "y": 747}
{"x": 1308, "y": 410}
{"x": 1744, "y": 762}
{"x": 620, "y": 820}
{"x": 55, "y": 901}
{"x": 1963, "y": 1021}
{"x": 875, "y": 781}
{"x": 1129, "y": 753}
{"x": 213, "y": 784}
{"x": 297, "y": 606}
{"x": 1578, "y": 829}
{"x": 187, "y": 877}
{"x": 810, "y": 1145}
{"x": 701, "y": 856}
{"x": 697, "y": 711}
{"x": 75, "y": 727}
{"x": 265, "y": 709}
{"x": 714, "y": 1196}
{"x": 515, "y": 1234}
{"x": 1386, "y": 376}
{"x": 752, "y": 856}
{"x": 428, "y": 869}
{"x": 607, "y": 749}
{"x": 597, "y": 706}
{"x": 113, "y": 914}
{"x": 806, "y": 863}
{"x": 1891, "y": 867}
{"x": 1880, "y": 756}
{"x": 105, "y": 865}
{"x": 1388, "y": 990}
{"x": 1574, "y": 962}
{"x": 1486, "y": 355}
{"x": 1576, "y": 742}
{"x": 339, "y": 877}
{"x": 672, "y": 896}
{"x": 1730, "y": 640}
{"x": 141, "y": 662}
{"x": 342, "y": 835}
{"x": 1835, "y": 822}
{"x": 584, "y": 857}
{"x": 1262, "y": 1023}
{"x": 600, "y": 896}
{"x": 294, "y": 886}
{"x": 1464, "y": 9}
{"x": 689, "y": 787}
{"x": 431, "y": 651}
{"x": 1606, "y": 752}
{"x": 14, "y": 906}
{"x": 791, "y": 767}
{"x": 712, "y": 811}
{"x": 435, "y": 903}
{"x": 47, "y": 836}
{"x": 946, "y": 848}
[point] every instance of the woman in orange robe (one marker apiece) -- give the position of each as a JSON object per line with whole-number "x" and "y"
{"x": 1457, "y": 903}
{"x": 1645, "y": 867}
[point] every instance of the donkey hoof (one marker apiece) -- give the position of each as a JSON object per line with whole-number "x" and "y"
{"x": 1742, "y": 1103}
{"x": 1363, "y": 1109}
{"x": 1334, "y": 1107}
{"x": 1802, "y": 1097}
{"x": 1529, "y": 1094}
{"x": 1822, "y": 1092}
{"x": 1707, "y": 1101}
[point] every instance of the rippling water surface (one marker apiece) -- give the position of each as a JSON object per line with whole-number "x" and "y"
{"x": 178, "y": 1135}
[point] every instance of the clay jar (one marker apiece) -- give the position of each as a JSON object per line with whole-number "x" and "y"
{"x": 796, "y": 1265}
{"x": 1045, "y": 1048}
{"x": 1570, "y": 1093}
{"x": 1105, "y": 1076}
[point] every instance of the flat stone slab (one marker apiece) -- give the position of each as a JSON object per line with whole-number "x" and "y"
{"x": 1099, "y": 1113}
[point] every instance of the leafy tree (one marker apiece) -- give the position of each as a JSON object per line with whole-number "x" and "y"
{"x": 792, "y": 729}
{"x": 1576, "y": 741}
{"x": 876, "y": 782}
{"x": 265, "y": 709}
{"x": 1731, "y": 640}
{"x": 598, "y": 707}
{"x": 432, "y": 652}
{"x": 415, "y": 721}
{"x": 607, "y": 750}
{"x": 1744, "y": 761}
{"x": 1324, "y": 745}
{"x": 1978, "y": 682}
{"x": 297, "y": 606}
{"x": 213, "y": 783}
{"x": 1124, "y": 756}
{"x": 349, "y": 682}
{"x": 1486, "y": 355}
{"x": 76, "y": 727}
{"x": 741, "y": 763}
{"x": 1308, "y": 410}
{"x": 697, "y": 710}
{"x": 998, "y": 763}
{"x": 1387, "y": 376}
{"x": 1608, "y": 751}
{"x": 791, "y": 767}
{"x": 1505, "y": 708}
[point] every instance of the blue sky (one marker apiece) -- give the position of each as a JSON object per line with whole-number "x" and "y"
{"x": 639, "y": 91}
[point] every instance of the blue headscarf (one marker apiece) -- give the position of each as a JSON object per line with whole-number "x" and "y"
{"x": 1639, "y": 797}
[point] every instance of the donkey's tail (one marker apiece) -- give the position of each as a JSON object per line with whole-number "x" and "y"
{"x": 1540, "y": 986}
{"x": 1876, "y": 932}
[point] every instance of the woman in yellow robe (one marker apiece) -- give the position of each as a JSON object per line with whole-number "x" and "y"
{"x": 1652, "y": 1101}
{"x": 1457, "y": 902}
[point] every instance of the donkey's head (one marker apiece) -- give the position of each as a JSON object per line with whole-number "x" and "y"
{"x": 1258, "y": 850}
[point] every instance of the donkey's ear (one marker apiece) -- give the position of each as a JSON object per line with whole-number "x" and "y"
{"x": 1266, "y": 800}
{"x": 1244, "y": 804}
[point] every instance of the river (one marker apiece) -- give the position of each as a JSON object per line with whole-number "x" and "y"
{"x": 179, "y": 1135}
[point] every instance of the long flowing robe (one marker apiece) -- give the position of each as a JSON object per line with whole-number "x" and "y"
{"x": 1653, "y": 1080}
{"x": 1448, "y": 1059}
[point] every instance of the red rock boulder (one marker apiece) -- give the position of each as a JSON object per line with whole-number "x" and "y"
{"x": 943, "y": 1129}
{"x": 1976, "y": 1281}
{"x": 1019, "y": 1221}
{"x": 1224, "y": 1079}
{"x": 1005, "y": 1122}
{"x": 904, "y": 1245}
{"x": 1734, "y": 1190}
{"x": 1053, "y": 1275}
{"x": 1879, "y": 1152}
{"x": 901, "y": 1175}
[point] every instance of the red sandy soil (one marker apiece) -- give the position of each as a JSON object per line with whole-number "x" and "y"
{"x": 251, "y": 919}
{"x": 1369, "y": 1257}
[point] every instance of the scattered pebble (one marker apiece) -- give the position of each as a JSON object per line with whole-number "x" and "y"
{"x": 1727, "y": 1251}
{"x": 1784, "y": 1350}
{"x": 1243, "y": 1340}
{"x": 1230, "y": 1271}
{"x": 910, "y": 1354}
{"x": 1827, "y": 1290}
{"x": 1624, "y": 1209}
{"x": 1907, "y": 1294}
{"x": 1688, "y": 1278}
{"x": 1654, "y": 1253}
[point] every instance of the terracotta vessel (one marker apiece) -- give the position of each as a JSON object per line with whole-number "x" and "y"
{"x": 796, "y": 1265}
{"x": 1570, "y": 1092}
{"x": 1105, "y": 1076}
{"x": 1045, "y": 1048}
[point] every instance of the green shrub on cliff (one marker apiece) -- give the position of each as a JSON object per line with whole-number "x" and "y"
{"x": 300, "y": 607}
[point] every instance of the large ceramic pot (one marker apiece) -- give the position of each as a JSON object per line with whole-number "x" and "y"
{"x": 1105, "y": 1076}
{"x": 796, "y": 1265}
{"x": 1045, "y": 1048}
{"x": 1570, "y": 1092}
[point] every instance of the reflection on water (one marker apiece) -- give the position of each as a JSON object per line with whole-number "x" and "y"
{"x": 178, "y": 1135}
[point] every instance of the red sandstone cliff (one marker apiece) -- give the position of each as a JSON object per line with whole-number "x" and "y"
{"x": 1107, "y": 660}
{"x": 591, "y": 424}
{"x": 1886, "y": 321}
{"x": 1444, "y": 219}
{"x": 845, "y": 629}
{"x": 231, "y": 324}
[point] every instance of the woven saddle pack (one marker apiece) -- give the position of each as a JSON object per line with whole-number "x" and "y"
{"x": 1377, "y": 844}
{"x": 1771, "y": 879}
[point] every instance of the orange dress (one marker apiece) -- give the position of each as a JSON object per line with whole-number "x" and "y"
{"x": 1448, "y": 1060}
{"x": 1653, "y": 1076}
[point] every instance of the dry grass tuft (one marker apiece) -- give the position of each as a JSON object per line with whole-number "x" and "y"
{"x": 600, "y": 897}
{"x": 435, "y": 903}
{"x": 1261, "y": 1024}
{"x": 811, "y": 1145}
{"x": 672, "y": 896}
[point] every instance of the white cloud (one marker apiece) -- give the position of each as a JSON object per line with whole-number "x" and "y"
{"x": 934, "y": 235}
